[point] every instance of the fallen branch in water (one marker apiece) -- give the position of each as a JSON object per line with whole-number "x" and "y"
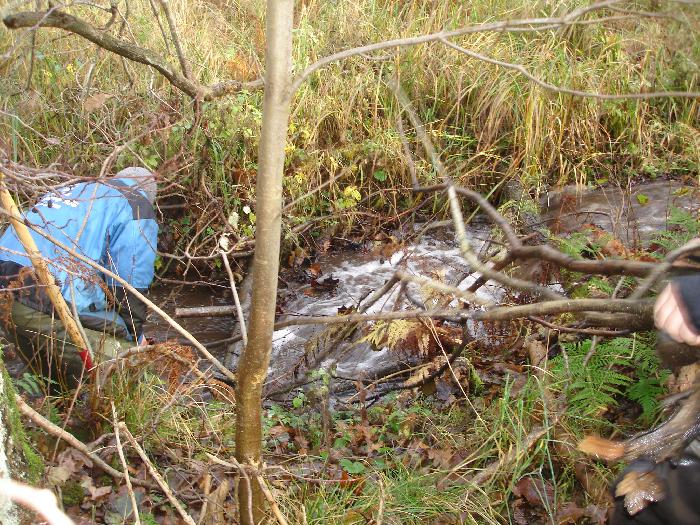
{"x": 501, "y": 313}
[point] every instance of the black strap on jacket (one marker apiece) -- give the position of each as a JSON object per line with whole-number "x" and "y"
{"x": 20, "y": 280}
{"x": 131, "y": 309}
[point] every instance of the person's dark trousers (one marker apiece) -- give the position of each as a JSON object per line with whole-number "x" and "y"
{"x": 44, "y": 345}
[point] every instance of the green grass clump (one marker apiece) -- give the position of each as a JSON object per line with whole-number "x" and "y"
{"x": 167, "y": 419}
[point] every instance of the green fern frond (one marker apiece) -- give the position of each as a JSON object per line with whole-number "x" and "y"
{"x": 624, "y": 366}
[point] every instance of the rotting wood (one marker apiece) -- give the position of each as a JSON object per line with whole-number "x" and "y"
{"x": 205, "y": 311}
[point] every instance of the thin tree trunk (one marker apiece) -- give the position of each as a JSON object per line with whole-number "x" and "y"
{"x": 255, "y": 359}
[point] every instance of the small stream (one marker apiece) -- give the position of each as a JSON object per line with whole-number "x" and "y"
{"x": 633, "y": 216}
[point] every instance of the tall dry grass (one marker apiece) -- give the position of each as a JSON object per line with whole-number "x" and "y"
{"x": 489, "y": 122}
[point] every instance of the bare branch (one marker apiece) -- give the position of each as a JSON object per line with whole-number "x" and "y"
{"x": 455, "y": 208}
{"x": 156, "y": 15}
{"x": 518, "y": 250}
{"x": 236, "y": 300}
{"x": 165, "y": 4}
{"x": 49, "y": 140}
{"x": 503, "y": 313}
{"x": 407, "y": 153}
{"x": 691, "y": 247}
{"x": 120, "y": 450}
{"x": 602, "y": 267}
{"x": 584, "y": 331}
{"x": 507, "y": 313}
{"x": 234, "y": 464}
{"x": 72, "y": 24}
{"x": 443, "y": 288}
{"x": 156, "y": 476}
{"x": 71, "y": 440}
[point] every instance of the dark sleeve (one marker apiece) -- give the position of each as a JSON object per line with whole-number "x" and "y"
{"x": 689, "y": 288}
{"x": 131, "y": 309}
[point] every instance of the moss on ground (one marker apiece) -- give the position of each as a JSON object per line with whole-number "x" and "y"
{"x": 32, "y": 461}
{"x": 72, "y": 493}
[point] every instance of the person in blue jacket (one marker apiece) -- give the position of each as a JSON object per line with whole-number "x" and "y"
{"x": 110, "y": 221}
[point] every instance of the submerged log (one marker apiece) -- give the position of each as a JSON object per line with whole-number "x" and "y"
{"x": 206, "y": 311}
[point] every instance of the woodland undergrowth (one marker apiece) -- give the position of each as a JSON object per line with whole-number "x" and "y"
{"x": 414, "y": 456}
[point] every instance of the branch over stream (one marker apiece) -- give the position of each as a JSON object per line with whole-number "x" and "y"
{"x": 641, "y": 308}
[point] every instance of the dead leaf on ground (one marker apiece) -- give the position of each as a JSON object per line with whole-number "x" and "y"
{"x": 95, "y": 492}
{"x": 571, "y": 513}
{"x": 94, "y": 102}
{"x": 440, "y": 457}
{"x": 519, "y": 516}
{"x": 536, "y": 491}
{"x": 57, "y": 475}
{"x": 119, "y": 503}
{"x": 73, "y": 460}
{"x": 315, "y": 270}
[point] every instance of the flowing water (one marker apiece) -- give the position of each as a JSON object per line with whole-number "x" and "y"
{"x": 633, "y": 216}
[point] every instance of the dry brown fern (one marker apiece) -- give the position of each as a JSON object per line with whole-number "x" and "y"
{"x": 180, "y": 361}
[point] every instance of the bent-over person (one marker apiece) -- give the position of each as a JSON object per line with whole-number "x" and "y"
{"x": 112, "y": 222}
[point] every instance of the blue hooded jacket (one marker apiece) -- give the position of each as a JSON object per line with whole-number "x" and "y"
{"x": 110, "y": 222}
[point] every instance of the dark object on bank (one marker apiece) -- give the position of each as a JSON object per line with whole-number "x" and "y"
{"x": 673, "y": 354}
{"x": 660, "y": 484}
